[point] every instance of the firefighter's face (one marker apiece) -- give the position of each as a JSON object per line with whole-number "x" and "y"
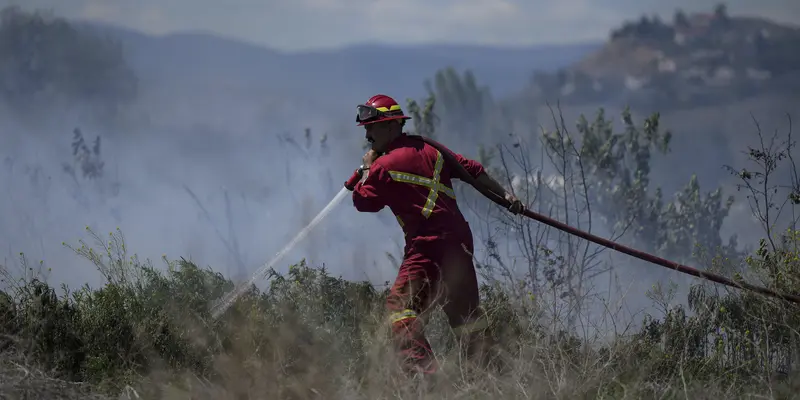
{"x": 380, "y": 134}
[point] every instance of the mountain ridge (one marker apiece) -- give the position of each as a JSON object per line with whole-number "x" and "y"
{"x": 504, "y": 69}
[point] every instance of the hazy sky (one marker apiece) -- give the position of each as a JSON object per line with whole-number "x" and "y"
{"x": 303, "y": 24}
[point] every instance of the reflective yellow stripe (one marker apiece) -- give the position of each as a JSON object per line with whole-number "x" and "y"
{"x": 479, "y": 324}
{"x": 387, "y": 109}
{"x": 434, "y": 184}
{"x": 400, "y": 221}
{"x": 403, "y": 315}
{"x": 433, "y": 194}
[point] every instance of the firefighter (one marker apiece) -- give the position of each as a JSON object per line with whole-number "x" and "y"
{"x": 412, "y": 179}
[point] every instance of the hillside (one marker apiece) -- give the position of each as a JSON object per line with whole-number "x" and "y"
{"x": 705, "y": 58}
{"x": 336, "y": 73}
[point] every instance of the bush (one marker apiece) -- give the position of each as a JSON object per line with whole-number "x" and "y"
{"x": 308, "y": 330}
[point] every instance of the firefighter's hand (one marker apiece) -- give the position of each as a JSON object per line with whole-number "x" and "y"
{"x": 516, "y": 206}
{"x": 369, "y": 158}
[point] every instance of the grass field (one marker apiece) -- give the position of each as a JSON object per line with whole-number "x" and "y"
{"x": 148, "y": 334}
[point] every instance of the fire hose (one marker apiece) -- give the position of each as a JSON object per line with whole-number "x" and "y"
{"x": 462, "y": 174}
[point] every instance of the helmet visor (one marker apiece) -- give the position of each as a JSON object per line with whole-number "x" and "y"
{"x": 367, "y": 113}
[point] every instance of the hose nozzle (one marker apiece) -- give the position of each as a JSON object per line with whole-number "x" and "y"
{"x": 350, "y": 184}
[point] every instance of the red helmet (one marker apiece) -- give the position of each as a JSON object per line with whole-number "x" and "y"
{"x": 379, "y": 108}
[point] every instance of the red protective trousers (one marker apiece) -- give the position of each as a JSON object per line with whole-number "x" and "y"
{"x": 436, "y": 271}
{"x": 414, "y": 181}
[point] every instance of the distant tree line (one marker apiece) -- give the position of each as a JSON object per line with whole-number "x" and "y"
{"x": 43, "y": 58}
{"x": 655, "y": 28}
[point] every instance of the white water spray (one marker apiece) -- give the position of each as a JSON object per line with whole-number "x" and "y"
{"x": 231, "y": 297}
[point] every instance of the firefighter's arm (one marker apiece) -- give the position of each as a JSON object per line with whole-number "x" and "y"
{"x": 369, "y": 194}
{"x": 487, "y": 181}
{"x": 474, "y": 168}
{"x": 477, "y": 171}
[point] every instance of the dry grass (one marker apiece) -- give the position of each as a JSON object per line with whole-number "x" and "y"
{"x": 284, "y": 360}
{"x": 20, "y": 380}
{"x": 532, "y": 376}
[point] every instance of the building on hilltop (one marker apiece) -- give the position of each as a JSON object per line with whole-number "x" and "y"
{"x": 697, "y": 26}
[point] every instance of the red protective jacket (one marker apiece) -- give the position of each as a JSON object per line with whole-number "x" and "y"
{"x": 413, "y": 180}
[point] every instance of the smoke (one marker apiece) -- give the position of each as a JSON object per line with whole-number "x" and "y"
{"x": 221, "y": 159}
{"x": 197, "y": 173}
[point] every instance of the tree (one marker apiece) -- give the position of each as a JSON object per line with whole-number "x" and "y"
{"x": 680, "y": 20}
{"x": 44, "y": 59}
{"x": 721, "y": 12}
{"x": 464, "y": 108}
{"x": 619, "y": 167}
{"x": 425, "y": 120}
